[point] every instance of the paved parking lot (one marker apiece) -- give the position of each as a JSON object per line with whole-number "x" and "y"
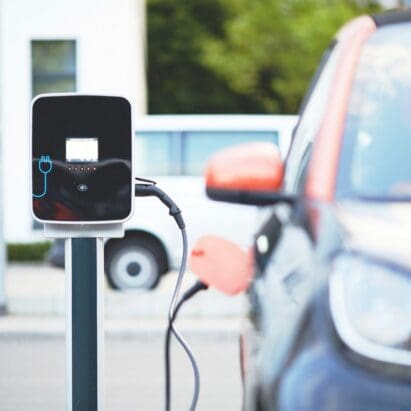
{"x": 32, "y": 349}
{"x": 39, "y": 290}
{"x": 32, "y": 374}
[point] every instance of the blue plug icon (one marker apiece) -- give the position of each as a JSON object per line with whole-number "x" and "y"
{"x": 45, "y": 165}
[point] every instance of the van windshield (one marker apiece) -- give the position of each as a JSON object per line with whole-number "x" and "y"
{"x": 376, "y": 153}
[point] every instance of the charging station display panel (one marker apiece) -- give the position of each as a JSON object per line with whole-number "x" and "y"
{"x": 81, "y": 149}
{"x": 81, "y": 158}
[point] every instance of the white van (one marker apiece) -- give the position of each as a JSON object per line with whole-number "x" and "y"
{"x": 173, "y": 150}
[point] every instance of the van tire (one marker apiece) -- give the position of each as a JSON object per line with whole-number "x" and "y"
{"x": 134, "y": 262}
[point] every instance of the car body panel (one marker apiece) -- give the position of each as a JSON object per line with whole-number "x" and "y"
{"x": 322, "y": 377}
{"x": 296, "y": 359}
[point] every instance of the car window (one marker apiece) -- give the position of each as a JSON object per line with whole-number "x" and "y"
{"x": 153, "y": 153}
{"x": 199, "y": 146}
{"x": 375, "y": 159}
{"x": 310, "y": 121}
{"x": 303, "y": 169}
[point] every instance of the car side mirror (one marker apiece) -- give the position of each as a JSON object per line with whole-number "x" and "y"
{"x": 250, "y": 173}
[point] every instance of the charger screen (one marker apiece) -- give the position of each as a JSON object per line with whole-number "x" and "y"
{"x": 82, "y": 149}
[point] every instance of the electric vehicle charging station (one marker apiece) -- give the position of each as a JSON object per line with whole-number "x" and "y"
{"x": 83, "y": 190}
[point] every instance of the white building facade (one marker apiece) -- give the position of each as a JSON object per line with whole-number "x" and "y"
{"x": 87, "y": 46}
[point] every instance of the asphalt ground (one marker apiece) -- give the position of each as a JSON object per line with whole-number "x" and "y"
{"x": 38, "y": 290}
{"x": 32, "y": 374}
{"x": 32, "y": 347}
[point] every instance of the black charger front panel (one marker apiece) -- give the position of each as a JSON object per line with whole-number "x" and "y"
{"x": 81, "y": 150}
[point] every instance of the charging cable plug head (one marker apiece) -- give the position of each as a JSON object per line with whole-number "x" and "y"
{"x": 150, "y": 189}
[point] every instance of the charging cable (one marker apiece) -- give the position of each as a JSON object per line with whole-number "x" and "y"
{"x": 197, "y": 287}
{"x": 149, "y": 188}
{"x": 45, "y": 165}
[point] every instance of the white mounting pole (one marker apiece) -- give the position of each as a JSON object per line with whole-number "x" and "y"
{"x": 84, "y": 324}
{"x": 2, "y": 244}
{"x": 84, "y": 263}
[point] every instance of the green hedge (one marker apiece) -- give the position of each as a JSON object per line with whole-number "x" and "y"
{"x": 28, "y": 252}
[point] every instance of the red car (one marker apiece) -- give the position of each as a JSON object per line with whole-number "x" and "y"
{"x": 329, "y": 324}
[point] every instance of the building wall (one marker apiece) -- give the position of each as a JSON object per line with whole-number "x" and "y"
{"x": 110, "y": 38}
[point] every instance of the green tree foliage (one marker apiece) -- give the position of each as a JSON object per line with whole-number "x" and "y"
{"x": 178, "y": 80}
{"x": 271, "y": 47}
{"x": 239, "y": 55}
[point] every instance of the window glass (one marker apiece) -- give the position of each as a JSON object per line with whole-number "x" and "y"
{"x": 153, "y": 153}
{"x": 199, "y": 146}
{"x": 53, "y": 66}
{"x": 376, "y": 150}
{"x": 303, "y": 170}
{"x": 310, "y": 121}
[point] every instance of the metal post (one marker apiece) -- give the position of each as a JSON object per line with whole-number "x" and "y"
{"x": 84, "y": 323}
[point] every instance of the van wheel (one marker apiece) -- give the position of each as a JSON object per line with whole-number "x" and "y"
{"x": 135, "y": 262}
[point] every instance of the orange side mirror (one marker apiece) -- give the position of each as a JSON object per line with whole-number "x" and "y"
{"x": 245, "y": 174}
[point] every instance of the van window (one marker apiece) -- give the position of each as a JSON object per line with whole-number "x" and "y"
{"x": 199, "y": 146}
{"x": 186, "y": 153}
{"x": 152, "y": 153}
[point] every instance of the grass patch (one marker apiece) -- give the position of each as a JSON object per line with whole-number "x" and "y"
{"x": 28, "y": 252}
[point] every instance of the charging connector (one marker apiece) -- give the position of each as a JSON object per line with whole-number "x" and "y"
{"x": 150, "y": 188}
